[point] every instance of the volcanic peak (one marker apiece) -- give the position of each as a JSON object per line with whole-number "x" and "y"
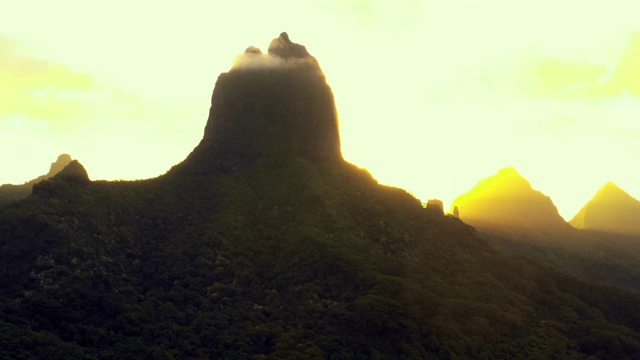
{"x": 281, "y": 108}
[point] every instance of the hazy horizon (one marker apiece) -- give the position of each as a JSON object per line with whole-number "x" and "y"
{"x": 432, "y": 96}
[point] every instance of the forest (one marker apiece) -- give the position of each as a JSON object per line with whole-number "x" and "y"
{"x": 283, "y": 260}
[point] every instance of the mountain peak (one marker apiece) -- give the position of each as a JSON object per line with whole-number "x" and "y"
{"x": 507, "y": 200}
{"x": 611, "y": 191}
{"x": 611, "y": 209}
{"x": 283, "y": 47}
{"x": 512, "y": 177}
{"x": 74, "y": 172}
{"x": 10, "y": 193}
{"x": 275, "y": 105}
{"x": 57, "y": 166}
{"x": 506, "y": 182}
{"x": 73, "y": 175}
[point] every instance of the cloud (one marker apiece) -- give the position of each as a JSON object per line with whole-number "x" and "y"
{"x": 626, "y": 75}
{"x": 38, "y": 88}
{"x": 253, "y": 60}
{"x": 559, "y": 79}
{"x": 282, "y": 53}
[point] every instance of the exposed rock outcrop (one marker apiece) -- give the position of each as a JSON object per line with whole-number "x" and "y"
{"x": 435, "y": 206}
{"x": 275, "y": 105}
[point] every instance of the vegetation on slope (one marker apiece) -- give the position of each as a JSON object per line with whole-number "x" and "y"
{"x": 284, "y": 260}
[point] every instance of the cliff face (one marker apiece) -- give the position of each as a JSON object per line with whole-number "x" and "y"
{"x": 507, "y": 200}
{"x": 612, "y": 210}
{"x": 276, "y": 105}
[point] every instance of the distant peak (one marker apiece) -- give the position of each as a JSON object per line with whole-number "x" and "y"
{"x": 611, "y": 191}
{"x": 611, "y": 186}
{"x": 57, "y": 166}
{"x": 74, "y": 172}
{"x": 611, "y": 209}
{"x": 506, "y": 179}
{"x": 74, "y": 175}
{"x": 507, "y": 200}
{"x": 509, "y": 171}
{"x": 64, "y": 158}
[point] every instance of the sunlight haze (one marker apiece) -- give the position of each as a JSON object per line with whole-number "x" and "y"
{"x": 432, "y": 96}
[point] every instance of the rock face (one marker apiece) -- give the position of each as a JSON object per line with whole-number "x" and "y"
{"x": 436, "y": 206}
{"x": 276, "y": 105}
{"x": 9, "y": 192}
{"x": 506, "y": 200}
{"x": 612, "y": 210}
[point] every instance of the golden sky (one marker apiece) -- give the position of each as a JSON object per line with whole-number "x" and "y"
{"x": 432, "y": 95}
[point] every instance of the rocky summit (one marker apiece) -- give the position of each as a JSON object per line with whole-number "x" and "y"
{"x": 268, "y": 106}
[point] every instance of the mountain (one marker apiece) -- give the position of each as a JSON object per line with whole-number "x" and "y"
{"x": 610, "y": 210}
{"x": 298, "y": 118}
{"x": 506, "y": 200}
{"x": 279, "y": 249}
{"x": 10, "y": 192}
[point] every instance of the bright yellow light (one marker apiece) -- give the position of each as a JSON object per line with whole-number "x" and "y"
{"x": 432, "y": 96}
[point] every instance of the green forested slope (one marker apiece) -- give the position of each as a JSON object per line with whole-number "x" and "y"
{"x": 284, "y": 260}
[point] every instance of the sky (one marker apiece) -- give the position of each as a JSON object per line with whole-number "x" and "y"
{"x": 432, "y": 96}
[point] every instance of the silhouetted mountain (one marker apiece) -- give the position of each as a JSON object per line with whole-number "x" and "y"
{"x": 506, "y": 201}
{"x": 278, "y": 249}
{"x": 276, "y": 106}
{"x": 611, "y": 210}
{"x": 11, "y": 192}
{"x": 73, "y": 175}
{"x": 518, "y": 220}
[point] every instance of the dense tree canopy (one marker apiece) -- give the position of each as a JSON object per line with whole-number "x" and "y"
{"x": 284, "y": 260}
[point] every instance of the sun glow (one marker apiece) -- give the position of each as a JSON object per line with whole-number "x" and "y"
{"x": 432, "y": 96}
